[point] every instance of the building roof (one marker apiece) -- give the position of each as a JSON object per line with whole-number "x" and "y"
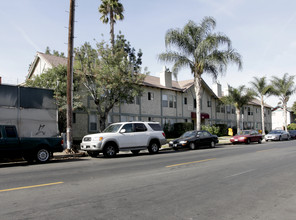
{"x": 51, "y": 60}
{"x": 257, "y": 102}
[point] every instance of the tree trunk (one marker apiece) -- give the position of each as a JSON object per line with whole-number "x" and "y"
{"x": 197, "y": 87}
{"x": 285, "y": 115}
{"x": 102, "y": 123}
{"x": 237, "y": 111}
{"x": 262, "y": 116}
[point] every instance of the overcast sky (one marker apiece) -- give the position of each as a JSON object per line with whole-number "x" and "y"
{"x": 262, "y": 31}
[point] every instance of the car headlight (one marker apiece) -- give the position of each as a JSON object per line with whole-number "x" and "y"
{"x": 97, "y": 138}
{"x": 183, "y": 142}
{"x": 171, "y": 142}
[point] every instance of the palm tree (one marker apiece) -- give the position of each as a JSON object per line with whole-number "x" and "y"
{"x": 238, "y": 97}
{"x": 202, "y": 51}
{"x": 262, "y": 90}
{"x": 111, "y": 11}
{"x": 284, "y": 88}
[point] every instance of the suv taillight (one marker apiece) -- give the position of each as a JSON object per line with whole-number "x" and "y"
{"x": 163, "y": 134}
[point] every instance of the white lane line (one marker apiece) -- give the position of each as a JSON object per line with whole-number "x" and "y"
{"x": 237, "y": 174}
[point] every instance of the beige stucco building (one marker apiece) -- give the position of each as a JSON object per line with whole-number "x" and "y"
{"x": 166, "y": 101}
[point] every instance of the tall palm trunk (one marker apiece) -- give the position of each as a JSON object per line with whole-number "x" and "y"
{"x": 197, "y": 87}
{"x": 237, "y": 111}
{"x": 285, "y": 115}
{"x": 112, "y": 28}
{"x": 262, "y": 116}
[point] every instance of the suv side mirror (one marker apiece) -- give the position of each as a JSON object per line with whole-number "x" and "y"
{"x": 122, "y": 131}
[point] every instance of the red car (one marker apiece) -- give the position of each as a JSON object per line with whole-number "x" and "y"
{"x": 247, "y": 136}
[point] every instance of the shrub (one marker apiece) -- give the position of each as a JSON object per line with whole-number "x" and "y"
{"x": 212, "y": 129}
{"x": 182, "y": 127}
{"x": 292, "y": 126}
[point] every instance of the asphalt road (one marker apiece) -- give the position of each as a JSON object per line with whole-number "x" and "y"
{"x": 256, "y": 181}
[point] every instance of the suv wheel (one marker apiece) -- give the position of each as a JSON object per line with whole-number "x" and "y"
{"x": 153, "y": 147}
{"x": 109, "y": 151}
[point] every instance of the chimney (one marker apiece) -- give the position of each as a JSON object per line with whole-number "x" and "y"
{"x": 217, "y": 89}
{"x": 166, "y": 77}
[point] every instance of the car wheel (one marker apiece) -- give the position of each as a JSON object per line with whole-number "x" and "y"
{"x": 109, "y": 151}
{"x": 135, "y": 152}
{"x": 153, "y": 147}
{"x": 42, "y": 155}
{"x": 259, "y": 141}
{"x": 192, "y": 146}
{"x": 280, "y": 138}
{"x": 212, "y": 144}
{"x": 248, "y": 141}
{"x": 93, "y": 153}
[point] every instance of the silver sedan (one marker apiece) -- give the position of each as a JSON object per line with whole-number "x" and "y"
{"x": 277, "y": 135}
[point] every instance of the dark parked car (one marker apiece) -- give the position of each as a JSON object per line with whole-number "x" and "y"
{"x": 194, "y": 139}
{"x": 292, "y": 134}
{"x": 247, "y": 136}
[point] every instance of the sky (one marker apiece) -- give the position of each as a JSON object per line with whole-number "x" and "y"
{"x": 262, "y": 31}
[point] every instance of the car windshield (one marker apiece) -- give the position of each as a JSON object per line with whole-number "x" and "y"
{"x": 112, "y": 128}
{"x": 188, "y": 134}
{"x": 275, "y": 132}
{"x": 244, "y": 132}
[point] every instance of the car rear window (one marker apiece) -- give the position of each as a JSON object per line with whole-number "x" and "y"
{"x": 155, "y": 127}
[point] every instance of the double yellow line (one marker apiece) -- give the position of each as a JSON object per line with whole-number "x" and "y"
{"x": 199, "y": 161}
{"x": 28, "y": 187}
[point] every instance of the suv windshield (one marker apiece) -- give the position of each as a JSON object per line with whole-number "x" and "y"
{"x": 112, "y": 128}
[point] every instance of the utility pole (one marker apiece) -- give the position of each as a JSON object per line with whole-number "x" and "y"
{"x": 70, "y": 75}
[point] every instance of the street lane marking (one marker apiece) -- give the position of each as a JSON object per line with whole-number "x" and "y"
{"x": 28, "y": 187}
{"x": 199, "y": 161}
{"x": 237, "y": 174}
{"x": 263, "y": 150}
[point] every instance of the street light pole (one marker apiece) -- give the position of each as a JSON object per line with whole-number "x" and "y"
{"x": 70, "y": 74}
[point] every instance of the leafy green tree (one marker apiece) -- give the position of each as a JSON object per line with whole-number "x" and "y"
{"x": 111, "y": 11}
{"x": 284, "y": 88}
{"x": 55, "y": 52}
{"x": 238, "y": 97}
{"x": 108, "y": 76}
{"x": 202, "y": 51}
{"x": 262, "y": 89}
{"x": 56, "y": 79}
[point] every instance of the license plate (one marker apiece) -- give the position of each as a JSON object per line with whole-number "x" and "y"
{"x": 175, "y": 145}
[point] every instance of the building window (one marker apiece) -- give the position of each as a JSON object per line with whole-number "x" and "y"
{"x": 137, "y": 100}
{"x": 171, "y": 101}
{"x": 74, "y": 118}
{"x": 194, "y": 103}
{"x": 228, "y": 109}
{"x": 233, "y": 110}
{"x": 150, "y": 95}
{"x": 222, "y": 109}
{"x": 93, "y": 122}
{"x": 218, "y": 108}
{"x": 165, "y": 101}
{"x": 185, "y": 101}
{"x": 209, "y": 103}
{"x": 123, "y": 118}
{"x": 249, "y": 111}
{"x": 175, "y": 101}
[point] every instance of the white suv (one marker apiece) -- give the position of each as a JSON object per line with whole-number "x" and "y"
{"x": 125, "y": 136}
